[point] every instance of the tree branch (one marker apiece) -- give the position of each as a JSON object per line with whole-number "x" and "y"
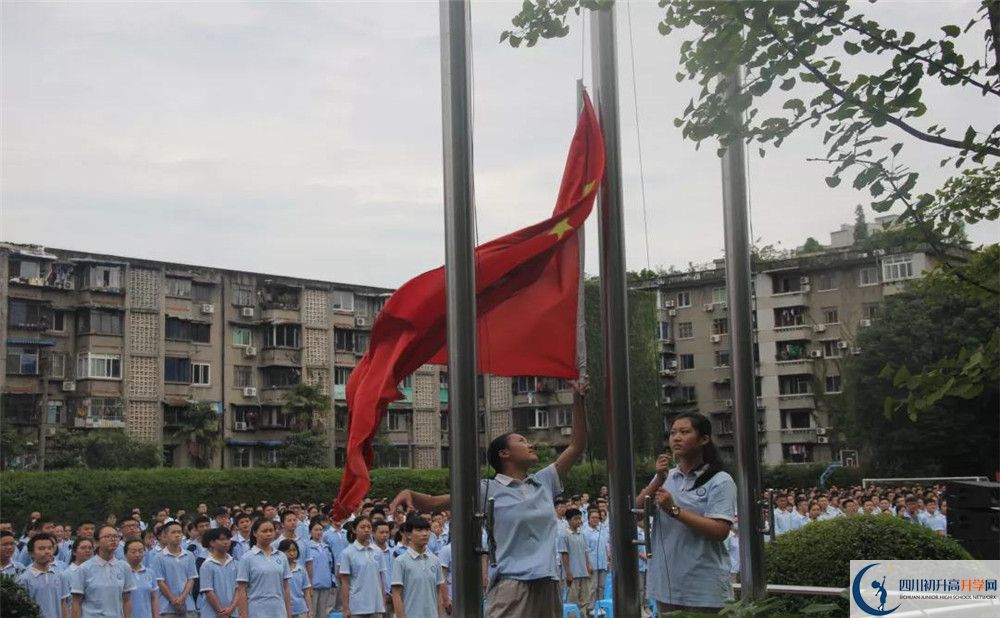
{"x": 872, "y": 111}
{"x": 993, "y": 11}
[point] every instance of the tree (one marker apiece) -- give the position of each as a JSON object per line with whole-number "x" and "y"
{"x": 305, "y": 449}
{"x": 102, "y": 449}
{"x": 307, "y": 404}
{"x": 12, "y": 445}
{"x": 811, "y": 245}
{"x": 860, "y": 224}
{"x": 199, "y": 432}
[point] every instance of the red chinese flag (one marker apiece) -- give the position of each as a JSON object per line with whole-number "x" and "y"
{"x": 526, "y": 299}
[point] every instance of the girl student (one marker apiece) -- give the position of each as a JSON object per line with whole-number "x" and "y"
{"x": 299, "y": 586}
{"x": 323, "y": 586}
{"x": 103, "y": 585}
{"x": 217, "y": 576}
{"x": 361, "y": 567}
{"x": 262, "y": 576}
{"x": 145, "y": 602}
{"x": 81, "y": 550}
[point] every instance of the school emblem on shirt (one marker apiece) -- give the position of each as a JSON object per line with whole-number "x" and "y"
{"x": 700, "y": 492}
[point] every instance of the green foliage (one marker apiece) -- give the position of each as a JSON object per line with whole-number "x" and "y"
{"x": 199, "y": 432}
{"x": 305, "y": 449}
{"x": 12, "y": 445}
{"x": 307, "y": 404}
{"x": 860, "y": 224}
{"x": 811, "y": 245}
{"x": 15, "y": 600}
{"x": 546, "y": 453}
{"x": 101, "y": 450}
{"x": 803, "y": 476}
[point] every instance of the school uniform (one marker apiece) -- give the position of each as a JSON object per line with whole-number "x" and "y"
{"x": 297, "y": 586}
{"x": 220, "y": 578}
{"x": 304, "y": 554}
{"x": 323, "y": 585}
{"x": 445, "y": 558}
{"x": 11, "y": 569}
{"x": 782, "y": 522}
{"x": 102, "y": 584}
{"x": 640, "y": 535}
{"x": 573, "y": 544}
{"x": 799, "y": 520}
{"x": 175, "y": 570}
{"x": 67, "y": 577}
{"x": 265, "y": 578}
{"x": 64, "y": 551}
{"x": 142, "y": 596}
{"x": 47, "y": 588}
{"x": 597, "y": 548}
{"x": 238, "y": 546}
{"x": 419, "y": 575}
{"x": 364, "y": 564}
{"x": 936, "y": 522}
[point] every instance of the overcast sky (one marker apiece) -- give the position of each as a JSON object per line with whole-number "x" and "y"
{"x": 305, "y": 139}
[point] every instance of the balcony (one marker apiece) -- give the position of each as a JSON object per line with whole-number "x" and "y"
{"x": 796, "y": 400}
{"x": 99, "y": 422}
{"x": 283, "y": 357}
{"x": 275, "y": 395}
{"x": 790, "y": 299}
{"x": 794, "y": 367}
{"x": 798, "y": 436}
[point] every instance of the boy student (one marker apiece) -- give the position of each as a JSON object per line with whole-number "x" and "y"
{"x": 241, "y": 538}
{"x": 8, "y": 545}
{"x": 43, "y": 581}
{"x": 418, "y": 586}
{"x": 576, "y": 561}
{"x": 290, "y": 532}
{"x": 381, "y": 539}
{"x": 217, "y": 575}
{"x": 176, "y": 572}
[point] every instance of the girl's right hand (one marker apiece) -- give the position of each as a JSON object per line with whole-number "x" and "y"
{"x": 663, "y": 465}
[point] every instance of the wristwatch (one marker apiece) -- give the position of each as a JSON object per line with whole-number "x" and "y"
{"x": 674, "y": 511}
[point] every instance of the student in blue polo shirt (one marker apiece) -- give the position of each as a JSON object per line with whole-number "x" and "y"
{"x": 144, "y": 598}
{"x": 323, "y": 570}
{"x": 575, "y": 554}
{"x": 525, "y": 582}
{"x": 262, "y": 576}
{"x": 299, "y": 586}
{"x": 360, "y": 567}
{"x": 43, "y": 582}
{"x": 8, "y": 547}
{"x": 217, "y": 575}
{"x": 417, "y": 579}
{"x": 176, "y": 573}
{"x": 80, "y": 551}
{"x": 103, "y": 585}
{"x": 689, "y": 568}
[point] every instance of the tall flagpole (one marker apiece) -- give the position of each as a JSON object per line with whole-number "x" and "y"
{"x": 581, "y": 314}
{"x": 460, "y": 289}
{"x": 737, "y": 233}
{"x": 614, "y": 322}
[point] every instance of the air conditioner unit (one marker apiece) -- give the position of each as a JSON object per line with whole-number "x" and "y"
{"x": 804, "y": 280}
{"x": 760, "y": 402}
{"x": 822, "y": 440}
{"x": 69, "y": 386}
{"x": 805, "y": 287}
{"x": 361, "y": 321}
{"x": 709, "y": 307}
{"x": 36, "y": 281}
{"x": 855, "y": 351}
{"x": 250, "y": 351}
{"x": 663, "y": 372}
{"x": 250, "y": 391}
{"x": 816, "y": 354}
{"x": 208, "y": 308}
{"x": 729, "y": 403}
{"x": 716, "y": 338}
{"x": 821, "y": 431}
{"x": 566, "y": 431}
{"x": 246, "y": 312}
{"x": 241, "y": 426}
{"x": 843, "y": 345}
{"x": 67, "y": 284}
{"x": 672, "y": 313}
{"x": 669, "y": 304}
{"x": 672, "y": 364}
{"x": 865, "y": 323}
{"x": 724, "y": 305}
{"x": 819, "y": 328}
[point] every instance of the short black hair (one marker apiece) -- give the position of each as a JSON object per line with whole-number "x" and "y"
{"x": 382, "y": 523}
{"x": 42, "y": 536}
{"x": 241, "y": 517}
{"x": 221, "y": 511}
{"x": 201, "y": 519}
{"x": 571, "y": 513}
{"x": 6, "y": 533}
{"x": 416, "y": 523}
{"x": 214, "y": 535}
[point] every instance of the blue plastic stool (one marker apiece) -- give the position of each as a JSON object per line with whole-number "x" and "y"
{"x": 336, "y": 615}
{"x": 608, "y": 585}
{"x": 604, "y": 607}
{"x": 571, "y": 609}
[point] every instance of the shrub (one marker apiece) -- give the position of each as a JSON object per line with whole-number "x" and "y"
{"x": 15, "y": 600}
{"x": 787, "y": 476}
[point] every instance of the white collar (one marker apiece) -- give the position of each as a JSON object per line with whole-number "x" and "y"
{"x": 102, "y": 562}
{"x": 166, "y": 550}
{"x": 415, "y": 555}
{"x": 34, "y": 570}
{"x": 360, "y": 547}
{"x": 142, "y": 567}
{"x": 505, "y": 480}
{"x": 256, "y": 549}
{"x": 211, "y": 558}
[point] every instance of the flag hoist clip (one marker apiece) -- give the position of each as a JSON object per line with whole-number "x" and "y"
{"x": 767, "y": 522}
{"x": 488, "y": 517}
{"x": 647, "y": 511}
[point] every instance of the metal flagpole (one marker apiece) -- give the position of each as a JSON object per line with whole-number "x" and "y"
{"x": 460, "y": 287}
{"x": 581, "y": 315}
{"x": 614, "y": 322}
{"x": 734, "y": 209}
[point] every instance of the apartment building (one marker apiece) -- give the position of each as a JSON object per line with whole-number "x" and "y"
{"x": 808, "y": 311}
{"x": 100, "y": 342}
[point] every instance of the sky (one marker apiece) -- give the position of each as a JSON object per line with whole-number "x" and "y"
{"x": 304, "y": 139}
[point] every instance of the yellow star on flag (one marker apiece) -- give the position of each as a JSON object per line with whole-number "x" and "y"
{"x": 561, "y": 228}
{"x": 587, "y": 188}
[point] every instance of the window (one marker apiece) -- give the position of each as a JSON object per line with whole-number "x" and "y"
{"x": 97, "y": 322}
{"x": 718, "y": 296}
{"x": 177, "y": 370}
{"x": 22, "y": 361}
{"x": 397, "y": 420}
{"x": 564, "y": 417}
{"x": 444, "y": 420}
{"x": 57, "y": 365}
{"x": 101, "y": 278}
{"x": 687, "y": 361}
{"x": 833, "y": 385}
{"x": 267, "y": 456}
{"x": 830, "y": 315}
{"x": 243, "y": 296}
{"x": 683, "y": 299}
{"x": 362, "y": 307}
{"x": 393, "y": 457}
{"x": 786, "y": 284}
{"x": 720, "y": 326}
{"x": 796, "y": 419}
{"x": 280, "y": 377}
{"x": 242, "y": 337}
{"x": 282, "y": 336}
{"x": 831, "y": 348}
{"x": 407, "y": 382}
{"x": 273, "y": 417}
{"x": 25, "y": 269}
{"x": 241, "y": 457}
{"x": 340, "y": 418}
{"x": 343, "y": 340}
{"x": 538, "y": 419}
{"x": 177, "y": 286}
{"x": 667, "y": 362}
{"x": 897, "y": 267}
{"x": 688, "y": 393}
{"x": 523, "y": 384}
{"x": 105, "y": 409}
{"x": 665, "y": 331}
{"x": 20, "y": 409}
{"x": 795, "y": 385}
{"x": 58, "y": 322}
{"x": 797, "y": 453}
{"x": 785, "y": 318}
{"x": 870, "y": 311}
{"x": 23, "y": 314}
{"x": 343, "y": 301}
{"x": 685, "y": 330}
{"x": 868, "y": 275}
{"x": 792, "y": 351}
{"x": 361, "y": 341}
{"x": 201, "y": 374}
{"x": 341, "y": 375}
{"x": 55, "y": 413}
{"x": 184, "y": 330}
{"x": 243, "y": 376}
{"x": 827, "y": 281}
{"x": 721, "y": 358}
{"x": 202, "y": 292}
{"x": 90, "y": 365}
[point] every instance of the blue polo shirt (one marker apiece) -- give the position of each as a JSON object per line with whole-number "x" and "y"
{"x": 303, "y": 543}
{"x": 686, "y": 568}
{"x": 220, "y": 578}
{"x": 102, "y": 583}
{"x": 265, "y": 578}
{"x": 525, "y": 524}
{"x": 297, "y": 590}
{"x": 239, "y": 546}
{"x": 336, "y": 540}
{"x": 175, "y": 570}
{"x": 11, "y": 569}
{"x": 365, "y": 565}
{"x": 597, "y": 545}
{"x": 936, "y": 522}
{"x": 142, "y": 596}
{"x": 388, "y": 556}
{"x": 445, "y": 558}
{"x": 323, "y": 566}
{"x": 640, "y": 536}
{"x": 419, "y": 575}
{"x": 47, "y": 588}
{"x": 574, "y": 545}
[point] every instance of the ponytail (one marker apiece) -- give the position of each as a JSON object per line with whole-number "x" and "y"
{"x": 709, "y": 453}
